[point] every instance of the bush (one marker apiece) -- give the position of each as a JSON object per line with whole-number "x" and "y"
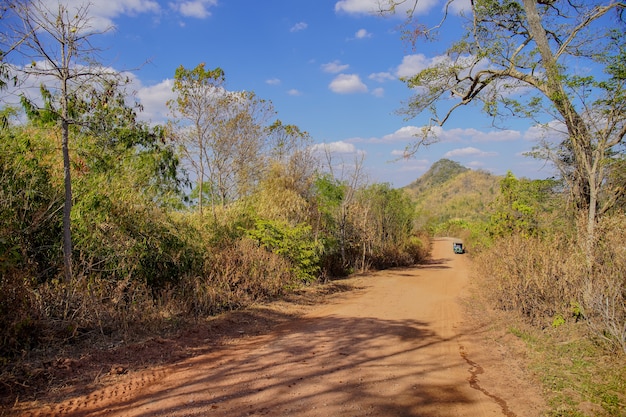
{"x": 235, "y": 276}
{"x": 538, "y": 277}
{"x": 550, "y": 279}
{"x": 118, "y": 240}
{"x": 19, "y": 323}
{"x": 603, "y": 294}
{"x": 295, "y": 243}
{"x": 30, "y": 219}
{"x": 418, "y": 248}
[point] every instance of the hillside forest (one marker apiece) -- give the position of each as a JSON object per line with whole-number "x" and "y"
{"x": 111, "y": 226}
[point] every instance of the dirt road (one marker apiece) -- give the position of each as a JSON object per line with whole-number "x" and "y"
{"x": 401, "y": 345}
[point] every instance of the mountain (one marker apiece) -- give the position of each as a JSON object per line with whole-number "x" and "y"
{"x": 449, "y": 191}
{"x": 439, "y": 173}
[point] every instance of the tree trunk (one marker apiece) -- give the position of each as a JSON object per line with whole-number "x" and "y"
{"x": 67, "y": 209}
{"x": 201, "y": 183}
{"x": 586, "y": 185}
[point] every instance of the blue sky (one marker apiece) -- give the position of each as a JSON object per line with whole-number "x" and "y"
{"x": 330, "y": 67}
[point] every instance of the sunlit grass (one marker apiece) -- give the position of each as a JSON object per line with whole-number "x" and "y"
{"x": 579, "y": 376}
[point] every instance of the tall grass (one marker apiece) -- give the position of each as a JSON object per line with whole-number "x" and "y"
{"x": 549, "y": 279}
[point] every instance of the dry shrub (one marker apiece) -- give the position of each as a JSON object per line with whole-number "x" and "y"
{"x": 419, "y": 247}
{"x": 603, "y": 295}
{"x": 234, "y": 277}
{"x": 19, "y": 325}
{"x": 415, "y": 250}
{"x": 59, "y": 312}
{"x": 550, "y": 280}
{"x": 87, "y": 306}
{"x": 538, "y": 277}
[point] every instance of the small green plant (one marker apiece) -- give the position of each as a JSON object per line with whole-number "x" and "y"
{"x": 558, "y": 321}
{"x": 576, "y": 310}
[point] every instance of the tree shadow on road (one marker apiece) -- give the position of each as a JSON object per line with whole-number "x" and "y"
{"x": 311, "y": 367}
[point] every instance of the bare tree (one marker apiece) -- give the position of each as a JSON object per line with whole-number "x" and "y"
{"x": 351, "y": 177}
{"x": 240, "y": 144}
{"x": 194, "y": 108}
{"x": 55, "y": 42}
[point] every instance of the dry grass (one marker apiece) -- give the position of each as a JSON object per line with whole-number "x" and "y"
{"x": 550, "y": 280}
{"x": 571, "y": 313}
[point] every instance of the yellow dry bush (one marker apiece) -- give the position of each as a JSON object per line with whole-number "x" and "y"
{"x": 552, "y": 279}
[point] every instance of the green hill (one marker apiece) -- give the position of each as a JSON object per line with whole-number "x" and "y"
{"x": 439, "y": 173}
{"x": 449, "y": 191}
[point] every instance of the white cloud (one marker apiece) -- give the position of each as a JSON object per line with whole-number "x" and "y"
{"x": 194, "y": 8}
{"x": 472, "y": 135}
{"x": 294, "y": 92}
{"x": 298, "y": 27}
{"x": 439, "y": 134}
{"x": 334, "y": 67}
{"x": 475, "y": 164}
{"x": 347, "y": 84}
{"x": 555, "y": 130}
{"x": 362, "y": 34}
{"x": 335, "y": 147}
{"x": 381, "y": 77}
{"x": 460, "y": 6}
{"x": 403, "y": 134}
{"x": 102, "y": 13}
{"x": 357, "y": 6}
{"x": 154, "y": 100}
{"x": 475, "y": 135}
{"x": 496, "y": 136}
{"x": 272, "y": 81}
{"x": 469, "y": 151}
{"x": 360, "y": 7}
{"x": 412, "y": 64}
{"x": 378, "y": 92}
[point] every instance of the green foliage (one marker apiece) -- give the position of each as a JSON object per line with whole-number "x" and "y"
{"x": 390, "y": 211}
{"x": 329, "y": 195}
{"x": 30, "y": 224}
{"x": 295, "y": 243}
{"x": 120, "y": 240}
{"x": 188, "y": 82}
{"x": 29, "y": 205}
{"x": 578, "y": 378}
{"x": 520, "y": 205}
{"x": 558, "y": 320}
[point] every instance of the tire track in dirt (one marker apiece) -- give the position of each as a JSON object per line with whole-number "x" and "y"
{"x": 110, "y": 394}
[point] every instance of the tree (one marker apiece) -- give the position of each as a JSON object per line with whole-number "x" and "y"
{"x": 521, "y": 58}
{"x": 384, "y": 217}
{"x": 222, "y": 134}
{"x": 240, "y": 144}
{"x": 56, "y": 42}
{"x": 286, "y": 189}
{"x": 347, "y": 183}
{"x": 197, "y": 91}
{"x": 518, "y": 207}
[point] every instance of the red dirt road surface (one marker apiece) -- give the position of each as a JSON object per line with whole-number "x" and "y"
{"x": 402, "y": 344}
